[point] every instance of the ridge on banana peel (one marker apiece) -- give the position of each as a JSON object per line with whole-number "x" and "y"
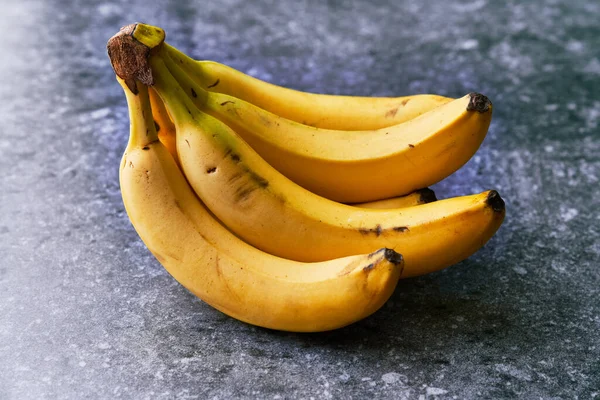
{"x": 225, "y": 272}
{"x": 421, "y": 196}
{"x": 353, "y": 166}
{"x": 267, "y": 210}
{"x": 319, "y": 110}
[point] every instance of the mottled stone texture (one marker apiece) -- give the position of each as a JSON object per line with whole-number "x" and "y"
{"x": 86, "y": 311}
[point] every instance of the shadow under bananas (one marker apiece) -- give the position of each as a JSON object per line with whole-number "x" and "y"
{"x": 449, "y": 314}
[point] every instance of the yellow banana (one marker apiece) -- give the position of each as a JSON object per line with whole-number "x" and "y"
{"x": 318, "y": 110}
{"x": 354, "y": 166}
{"x": 167, "y": 133}
{"x": 269, "y": 211}
{"x": 222, "y": 270}
{"x": 421, "y": 196}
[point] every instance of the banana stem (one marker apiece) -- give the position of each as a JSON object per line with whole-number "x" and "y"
{"x": 142, "y": 129}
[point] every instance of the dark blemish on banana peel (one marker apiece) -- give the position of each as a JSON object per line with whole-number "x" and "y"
{"x": 156, "y": 126}
{"x": 145, "y": 148}
{"x": 242, "y": 193}
{"x": 193, "y": 93}
{"x": 211, "y": 170}
{"x": 400, "y": 228}
{"x": 235, "y": 177}
{"x": 377, "y": 230}
{"x": 369, "y": 267}
{"x": 393, "y": 256}
{"x": 214, "y": 84}
{"x": 479, "y": 103}
{"x": 226, "y": 102}
{"x": 188, "y": 143}
{"x": 260, "y": 181}
{"x": 412, "y": 146}
{"x": 495, "y": 202}
{"x": 392, "y": 113}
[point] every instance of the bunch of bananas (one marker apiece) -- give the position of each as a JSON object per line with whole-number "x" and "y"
{"x": 290, "y": 210}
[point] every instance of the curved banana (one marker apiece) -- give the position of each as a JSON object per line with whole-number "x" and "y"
{"x": 318, "y": 110}
{"x": 167, "y": 134}
{"x": 227, "y": 273}
{"x": 269, "y": 211}
{"x": 355, "y": 166}
{"x": 421, "y": 196}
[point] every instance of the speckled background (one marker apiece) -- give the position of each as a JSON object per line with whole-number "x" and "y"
{"x": 86, "y": 311}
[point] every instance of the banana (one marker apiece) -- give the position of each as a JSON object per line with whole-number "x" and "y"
{"x": 354, "y": 166}
{"x": 274, "y": 214}
{"x": 421, "y": 196}
{"x": 318, "y": 110}
{"x": 166, "y": 134}
{"x": 222, "y": 270}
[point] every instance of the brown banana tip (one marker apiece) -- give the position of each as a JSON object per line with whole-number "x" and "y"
{"x": 393, "y": 256}
{"x": 479, "y": 103}
{"x": 495, "y": 201}
{"x": 427, "y": 195}
{"x": 129, "y": 58}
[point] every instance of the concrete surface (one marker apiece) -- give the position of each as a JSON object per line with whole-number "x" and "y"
{"x": 87, "y": 312}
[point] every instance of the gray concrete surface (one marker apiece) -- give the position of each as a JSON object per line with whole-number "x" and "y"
{"x": 87, "y": 313}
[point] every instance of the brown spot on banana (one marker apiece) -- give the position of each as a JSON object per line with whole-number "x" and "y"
{"x": 495, "y": 202}
{"x": 479, "y": 103}
{"x": 243, "y": 192}
{"x": 235, "y": 177}
{"x": 214, "y": 84}
{"x": 260, "y": 181}
{"x": 392, "y": 113}
{"x": 393, "y": 256}
{"x": 377, "y": 230}
{"x": 369, "y": 267}
{"x": 265, "y": 120}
